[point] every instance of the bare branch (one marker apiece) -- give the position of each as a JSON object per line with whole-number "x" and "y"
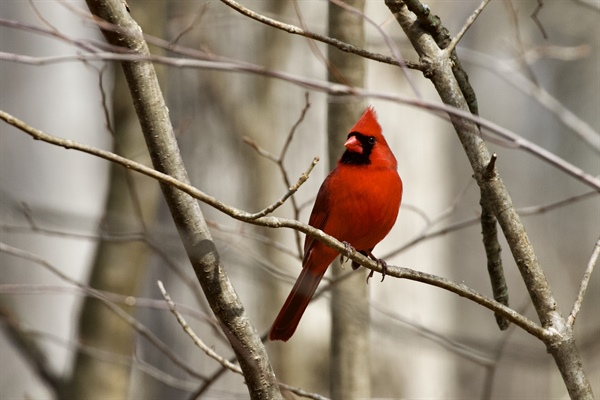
{"x": 292, "y": 189}
{"x": 534, "y": 17}
{"x": 274, "y": 222}
{"x": 346, "y": 47}
{"x": 279, "y": 160}
{"x": 466, "y": 26}
{"x": 584, "y": 283}
{"x": 91, "y": 351}
{"x": 492, "y": 247}
{"x": 31, "y": 351}
{"x": 334, "y": 89}
{"x": 213, "y": 354}
{"x": 197, "y": 341}
{"x": 507, "y": 71}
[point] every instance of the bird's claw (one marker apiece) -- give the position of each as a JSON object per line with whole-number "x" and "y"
{"x": 384, "y": 268}
{"x": 380, "y": 262}
{"x": 347, "y": 254}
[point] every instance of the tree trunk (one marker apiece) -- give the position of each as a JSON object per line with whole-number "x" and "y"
{"x": 350, "y": 378}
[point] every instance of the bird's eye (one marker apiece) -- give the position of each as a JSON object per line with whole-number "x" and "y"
{"x": 371, "y": 140}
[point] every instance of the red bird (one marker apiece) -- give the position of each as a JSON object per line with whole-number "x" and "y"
{"x": 357, "y": 203}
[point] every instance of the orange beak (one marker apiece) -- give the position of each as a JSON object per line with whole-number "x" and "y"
{"x": 353, "y": 145}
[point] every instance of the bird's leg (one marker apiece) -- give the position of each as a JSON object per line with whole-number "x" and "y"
{"x": 346, "y": 253}
{"x": 380, "y": 262}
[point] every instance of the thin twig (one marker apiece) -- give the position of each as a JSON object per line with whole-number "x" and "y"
{"x": 292, "y": 189}
{"x": 534, "y": 17}
{"x": 31, "y": 351}
{"x": 189, "y": 331}
{"x": 466, "y": 26}
{"x": 279, "y": 160}
{"x": 346, "y": 47}
{"x": 283, "y": 170}
{"x": 584, "y": 284}
{"x": 101, "y": 354}
{"x": 455, "y": 226}
{"x": 193, "y": 23}
{"x": 214, "y": 355}
{"x": 290, "y": 136}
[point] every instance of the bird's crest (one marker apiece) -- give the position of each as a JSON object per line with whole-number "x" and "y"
{"x": 367, "y": 124}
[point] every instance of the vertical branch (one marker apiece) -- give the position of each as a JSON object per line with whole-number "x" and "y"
{"x": 185, "y": 210}
{"x": 349, "y": 299}
{"x": 433, "y": 25}
{"x": 493, "y": 250}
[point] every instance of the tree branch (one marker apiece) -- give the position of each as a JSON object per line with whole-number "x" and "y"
{"x": 440, "y": 110}
{"x": 275, "y": 222}
{"x": 493, "y": 251}
{"x": 584, "y": 283}
{"x": 31, "y": 352}
{"x": 197, "y": 341}
{"x": 345, "y": 47}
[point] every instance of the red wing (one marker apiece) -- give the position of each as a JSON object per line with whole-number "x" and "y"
{"x": 318, "y": 216}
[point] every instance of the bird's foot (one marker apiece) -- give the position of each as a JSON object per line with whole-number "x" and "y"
{"x": 346, "y": 253}
{"x": 380, "y": 262}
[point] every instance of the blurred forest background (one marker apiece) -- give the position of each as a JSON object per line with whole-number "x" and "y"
{"x": 58, "y": 212}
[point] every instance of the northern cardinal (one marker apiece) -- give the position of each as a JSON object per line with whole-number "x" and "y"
{"x": 357, "y": 204}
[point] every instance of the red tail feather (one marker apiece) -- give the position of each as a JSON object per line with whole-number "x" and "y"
{"x": 287, "y": 321}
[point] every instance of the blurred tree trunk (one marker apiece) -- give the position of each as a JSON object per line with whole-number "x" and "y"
{"x": 119, "y": 266}
{"x": 350, "y": 377}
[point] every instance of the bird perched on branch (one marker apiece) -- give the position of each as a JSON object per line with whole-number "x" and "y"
{"x": 357, "y": 204}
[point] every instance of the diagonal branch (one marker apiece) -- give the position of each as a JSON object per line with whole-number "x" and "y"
{"x": 154, "y": 119}
{"x": 345, "y": 47}
{"x": 275, "y": 222}
{"x": 584, "y": 283}
{"x": 189, "y": 331}
{"x": 561, "y": 343}
{"x": 438, "y": 109}
{"x": 31, "y": 351}
{"x": 213, "y": 354}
